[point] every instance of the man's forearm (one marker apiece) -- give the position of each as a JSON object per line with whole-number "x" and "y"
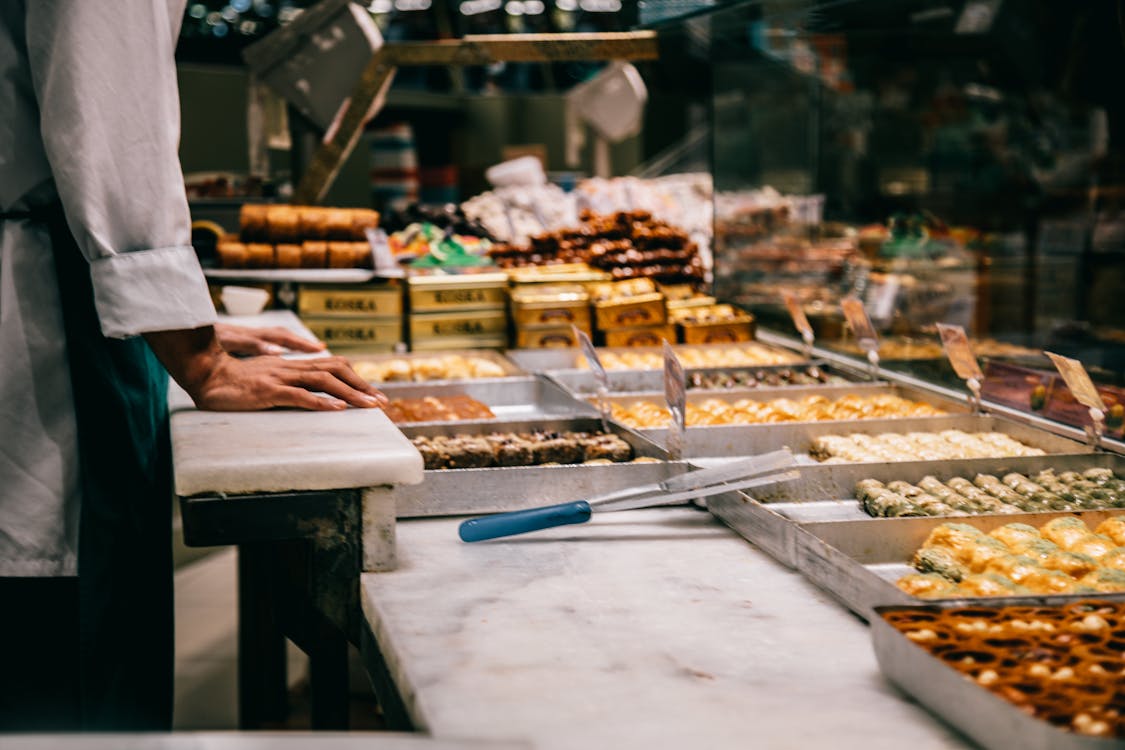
{"x": 189, "y": 355}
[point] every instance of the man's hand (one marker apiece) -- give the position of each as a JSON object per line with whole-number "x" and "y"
{"x": 253, "y": 341}
{"x": 264, "y": 382}
{"x": 216, "y": 381}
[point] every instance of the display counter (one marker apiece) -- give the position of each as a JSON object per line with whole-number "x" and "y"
{"x": 656, "y": 628}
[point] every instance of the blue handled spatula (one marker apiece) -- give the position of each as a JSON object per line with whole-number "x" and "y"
{"x": 767, "y": 469}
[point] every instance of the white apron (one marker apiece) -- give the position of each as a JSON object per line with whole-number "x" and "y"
{"x": 89, "y": 115}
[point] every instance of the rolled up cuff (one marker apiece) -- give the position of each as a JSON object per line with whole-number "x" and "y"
{"x": 151, "y": 290}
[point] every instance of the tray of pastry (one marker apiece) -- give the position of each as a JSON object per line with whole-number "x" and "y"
{"x": 1013, "y": 673}
{"x": 527, "y": 397}
{"x": 488, "y": 467}
{"x": 772, "y": 519}
{"x": 718, "y": 379}
{"x": 431, "y": 367}
{"x": 626, "y": 358}
{"x": 1055, "y": 556}
{"x": 742, "y": 421}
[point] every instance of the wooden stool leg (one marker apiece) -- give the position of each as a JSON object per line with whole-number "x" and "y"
{"x": 328, "y": 681}
{"x": 263, "y": 691}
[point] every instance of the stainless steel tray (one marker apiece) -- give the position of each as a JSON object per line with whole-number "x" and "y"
{"x": 991, "y": 721}
{"x": 449, "y": 492}
{"x": 747, "y": 440}
{"x": 551, "y": 360}
{"x": 582, "y": 382}
{"x": 527, "y": 397}
{"x": 859, "y": 561}
{"x": 773, "y": 519}
{"x": 511, "y": 369}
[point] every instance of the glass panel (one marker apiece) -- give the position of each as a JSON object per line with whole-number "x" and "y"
{"x": 947, "y": 161}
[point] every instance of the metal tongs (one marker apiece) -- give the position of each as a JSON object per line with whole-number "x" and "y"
{"x": 766, "y": 469}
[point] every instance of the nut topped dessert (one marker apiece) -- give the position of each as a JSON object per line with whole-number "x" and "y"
{"x": 1064, "y": 665}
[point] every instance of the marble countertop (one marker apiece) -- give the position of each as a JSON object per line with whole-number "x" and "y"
{"x": 644, "y": 629}
{"x": 281, "y": 449}
{"x": 246, "y": 741}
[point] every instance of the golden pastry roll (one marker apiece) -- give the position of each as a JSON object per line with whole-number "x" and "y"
{"x": 1114, "y": 560}
{"x": 1094, "y": 545}
{"x": 956, "y": 537}
{"x": 1064, "y": 531}
{"x": 926, "y": 585}
{"x": 984, "y": 552}
{"x": 1016, "y": 534}
{"x": 1016, "y": 568}
{"x": 288, "y": 256}
{"x": 283, "y": 223}
{"x": 253, "y": 223}
{"x": 361, "y": 255}
{"x": 314, "y": 254}
{"x": 362, "y": 220}
{"x": 1114, "y": 528}
{"x": 1105, "y": 580}
{"x": 260, "y": 255}
{"x": 1073, "y": 564}
{"x": 313, "y": 223}
{"x": 338, "y": 223}
{"x": 341, "y": 255}
{"x": 231, "y": 254}
{"x": 987, "y": 584}
{"x": 1042, "y": 581}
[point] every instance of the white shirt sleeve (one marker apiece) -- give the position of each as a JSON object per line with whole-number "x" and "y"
{"x": 105, "y": 79}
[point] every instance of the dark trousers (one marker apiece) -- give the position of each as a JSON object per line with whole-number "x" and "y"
{"x": 112, "y": 634}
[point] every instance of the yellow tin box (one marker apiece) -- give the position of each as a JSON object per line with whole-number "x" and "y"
{"x": 715, "y": 324}
{"x": 376, "y": 301}
{"x": 559, "y": 337}
{"x": 474, "y": 323}
{"x": 373, "y": 334}
{"x": 622, "y": 312}
{"x": 551, "y": 305}
{"x": 641, "y": 336}
{"x": 448, "y": 343}
{"x": 478, "y": 291}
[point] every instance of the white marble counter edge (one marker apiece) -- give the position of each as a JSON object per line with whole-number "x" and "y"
{"x": 345, "y": 450}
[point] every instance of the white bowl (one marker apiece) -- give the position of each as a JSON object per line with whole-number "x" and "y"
{"x": 244, "y": 300}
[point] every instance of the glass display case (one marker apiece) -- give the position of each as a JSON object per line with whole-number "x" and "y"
{"x": 957, "y": 161}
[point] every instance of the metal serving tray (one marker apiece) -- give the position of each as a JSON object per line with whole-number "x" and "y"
{"x": 450, "y": 492}
{"x": 528, "y": 397}
{"x": 991, "y": 721}
{"x": 858, "y": 562}
{"x": 747, "y": 440}
{"x": 511, "y": 369}
{"x": 552, "y": 360}
{"x": 582, "y": 382}
{"x": 773, "y": 519}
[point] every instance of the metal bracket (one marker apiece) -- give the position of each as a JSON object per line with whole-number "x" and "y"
{"x": 370, "y": 93}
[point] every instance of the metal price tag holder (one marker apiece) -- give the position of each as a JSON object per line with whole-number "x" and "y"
{"x": 864, "y": 332}
{"x": 960, "y": 354}
{"x": 600, "y": 375}
{"x": 800, "y": 321}
{"x": 675, "y": 394}
{"x": 1080, "y": 384}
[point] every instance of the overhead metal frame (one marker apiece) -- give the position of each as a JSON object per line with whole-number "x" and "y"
{"x": 371, "y": 90}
